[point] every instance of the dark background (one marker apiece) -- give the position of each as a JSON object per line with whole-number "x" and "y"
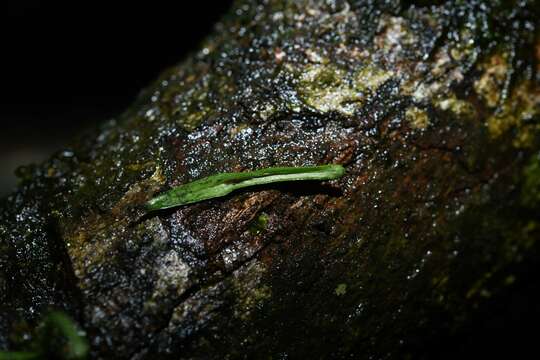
{"x": 67, "y": 65}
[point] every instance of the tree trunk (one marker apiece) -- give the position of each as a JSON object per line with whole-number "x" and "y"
{"x": 434, "y": 110}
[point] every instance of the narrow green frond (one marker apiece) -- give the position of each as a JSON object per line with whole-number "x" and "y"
{"x": 223, "y": 184}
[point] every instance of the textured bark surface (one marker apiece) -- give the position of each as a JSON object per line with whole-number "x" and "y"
{"x": 432, "y": 107}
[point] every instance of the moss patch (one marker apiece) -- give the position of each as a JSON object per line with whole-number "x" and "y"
{"x": 259, "y": 224}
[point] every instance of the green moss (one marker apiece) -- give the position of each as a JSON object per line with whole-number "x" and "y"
{"x": 259, "y": 224}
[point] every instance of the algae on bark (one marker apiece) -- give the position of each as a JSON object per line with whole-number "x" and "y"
{"x": 433, "y": 107}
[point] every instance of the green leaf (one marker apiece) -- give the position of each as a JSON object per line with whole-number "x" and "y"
{"x": 223, "y": 184}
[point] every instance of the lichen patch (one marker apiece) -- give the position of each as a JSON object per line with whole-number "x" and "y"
{"x": 327, "y": 88}
{"x": 417, "y": 117}
{"x": 491, "y": 82}
{"x": 516, "y": 113}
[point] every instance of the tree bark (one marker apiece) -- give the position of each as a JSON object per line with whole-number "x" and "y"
{"x": 432, "y": 107}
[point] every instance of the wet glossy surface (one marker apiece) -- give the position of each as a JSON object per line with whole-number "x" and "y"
{"x": 433, "y": 109}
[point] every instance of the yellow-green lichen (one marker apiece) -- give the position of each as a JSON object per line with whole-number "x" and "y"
{"x": 316, "y": 57}
{"x": 138, "y": 167}
{"x": 447, "y": 68}
{"x": 192, "y": 120}
{"x": 327, "y": 88}
{"x": 266, "y": 110}
{"x": 324, "y": 88}
{"x": 490, "y": 84}
{"x": 460, "y": 108}
{"x": 516, "y": 114}
{"x": 464, "y": 48}
{"x": 341, "y": 289}
{"x": 394, "y": 35}
{"x": 417, "y": 118}
{"x": 370, "y": 78}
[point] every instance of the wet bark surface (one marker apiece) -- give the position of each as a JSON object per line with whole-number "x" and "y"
{"x": 433, "y": 107}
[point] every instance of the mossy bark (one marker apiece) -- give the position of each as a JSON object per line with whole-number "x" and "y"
{"x": 434, "y": 109}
